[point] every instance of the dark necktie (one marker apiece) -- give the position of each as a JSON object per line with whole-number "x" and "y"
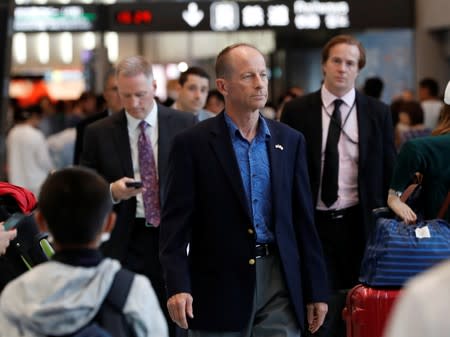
{"x": 331, "y": 164}
{"x": 149, "y": 177}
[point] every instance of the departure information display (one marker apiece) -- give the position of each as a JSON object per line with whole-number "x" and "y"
{"x": 253, "y": 15}
{"x": 279, "y": 15}
{"x": 56, "y": 18}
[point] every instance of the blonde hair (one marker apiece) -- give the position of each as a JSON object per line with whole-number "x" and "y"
{"x": 135, "y": 65}
{"x": 443, "y": 126}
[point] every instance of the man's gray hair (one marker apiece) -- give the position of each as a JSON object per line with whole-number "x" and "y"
{"x": 135, "y": 65}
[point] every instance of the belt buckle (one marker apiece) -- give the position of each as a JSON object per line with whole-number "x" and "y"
{"x": 337, "y": 215}
{"x": 266, "y": 250}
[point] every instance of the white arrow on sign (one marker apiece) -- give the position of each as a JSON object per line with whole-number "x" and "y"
{"x": 193, "y": 15}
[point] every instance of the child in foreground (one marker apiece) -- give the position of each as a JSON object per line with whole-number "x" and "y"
{"x": 63, "y": 295}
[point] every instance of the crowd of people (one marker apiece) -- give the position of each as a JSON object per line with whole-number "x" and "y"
{"x": 236, "y": 224}
{"x": 49, "y": 135}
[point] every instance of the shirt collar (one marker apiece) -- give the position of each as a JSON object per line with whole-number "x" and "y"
{"x": 262, "y": 133}
{"x": 84, "y": 257}
{"x": 176, "y": 107}
{"x": 151, "y": 119}
{"x": 328, "y": 98}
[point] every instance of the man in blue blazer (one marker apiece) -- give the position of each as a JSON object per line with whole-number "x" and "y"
{"x": 238, "y": 195}
{"x": 345, "y": 193}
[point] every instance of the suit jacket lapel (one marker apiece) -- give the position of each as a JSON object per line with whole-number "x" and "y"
{"x": 122, "y": 142}
{"x": 314, "y": 129}
{"x": 276, "y": 147}
{"x": 223, "y": 148}
{"x": 364, "y": 123}
{"x": 164, "y": 131}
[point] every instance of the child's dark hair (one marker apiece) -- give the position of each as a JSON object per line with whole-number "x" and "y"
{"x": 75, "y": 202}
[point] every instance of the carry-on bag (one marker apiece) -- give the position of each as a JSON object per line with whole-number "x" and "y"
{"x": 367, "y": 310}
{"x": 397, "y": 251}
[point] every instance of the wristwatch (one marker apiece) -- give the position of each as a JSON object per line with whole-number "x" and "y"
{"x": 394, "y": 192}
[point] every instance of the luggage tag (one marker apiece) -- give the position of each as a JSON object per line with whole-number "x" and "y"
{"x": 423, "y": 232}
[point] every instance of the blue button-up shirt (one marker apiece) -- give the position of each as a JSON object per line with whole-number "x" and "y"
{"x": 254, "y": 165}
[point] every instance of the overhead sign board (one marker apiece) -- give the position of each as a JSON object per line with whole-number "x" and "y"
{"x": 221, "y": 15}
{"x": 298, "y": 15}
{"x": 158, "y": 16}
{"x": 55, "y": 18}
{"x": 230, "y": 15}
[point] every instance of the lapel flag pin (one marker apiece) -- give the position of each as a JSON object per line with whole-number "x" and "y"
{"x": 279, "y": 147}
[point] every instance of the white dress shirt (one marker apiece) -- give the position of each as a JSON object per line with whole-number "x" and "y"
{"x": 28, "y": 157}
{"x": 431, "y": 112}
{"x": 347, "y": 146}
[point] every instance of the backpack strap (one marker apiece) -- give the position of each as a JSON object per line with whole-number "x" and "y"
{"x": 109, "y": 320}
{"x": 110, "y": 315}
{"x": 118, "y": 293}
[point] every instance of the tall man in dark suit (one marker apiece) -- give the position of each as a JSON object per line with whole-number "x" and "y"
{"x": 113, "y": 105}
{"x": 350, "y": 147}
{"x": 129, "y": 146}
{"x": 238, "y": 194}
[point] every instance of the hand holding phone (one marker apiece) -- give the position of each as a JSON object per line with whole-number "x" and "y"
{"x": 5, "y": 237}
{"x": 134, "y": 184}
{"x": 12, "y": 221}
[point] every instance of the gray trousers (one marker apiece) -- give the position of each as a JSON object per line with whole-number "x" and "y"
{"x": 272, "y": 313}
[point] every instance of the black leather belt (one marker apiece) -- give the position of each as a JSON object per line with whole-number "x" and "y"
{"x": 336, "y": 214}
{"x": 265, "y": 249}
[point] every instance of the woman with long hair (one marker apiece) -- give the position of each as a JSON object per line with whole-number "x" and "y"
{"x": 431, "y": 157}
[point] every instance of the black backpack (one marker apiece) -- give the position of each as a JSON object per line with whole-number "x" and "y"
{"x": 29, "y": 248}
{"x": 110, "y": 320}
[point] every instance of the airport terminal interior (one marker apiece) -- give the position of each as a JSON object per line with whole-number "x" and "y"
{"x": 56, "y": 57}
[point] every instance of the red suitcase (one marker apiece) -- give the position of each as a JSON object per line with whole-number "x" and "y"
{"x": 367, "y": 310}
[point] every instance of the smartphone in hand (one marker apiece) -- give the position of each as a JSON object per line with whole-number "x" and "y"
{"x": 12, "y": 221}
{"x": 134, "y": 184}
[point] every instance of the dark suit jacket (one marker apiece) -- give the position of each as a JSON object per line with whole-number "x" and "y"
{"x": 107, "y": 150}
{"x": 206, "y": 206}
{"x": 376, "y": 146}
{"x": 81, "y": 126}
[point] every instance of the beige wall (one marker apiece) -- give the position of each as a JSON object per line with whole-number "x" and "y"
{"x": 432, "y": 43}
{"x": 433, "y": 13}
